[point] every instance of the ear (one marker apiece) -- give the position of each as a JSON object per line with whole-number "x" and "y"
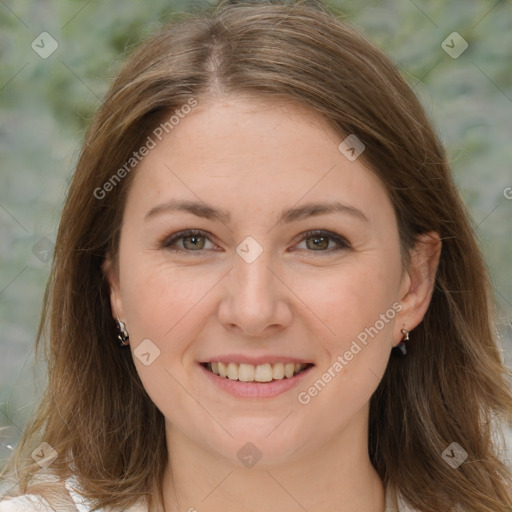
{"x": 418, "y": 283}
{"x": 112, "y": 277}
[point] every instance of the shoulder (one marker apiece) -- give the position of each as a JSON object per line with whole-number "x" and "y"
{"x": 83, "y": 505}
{"x": 76, "y": 502}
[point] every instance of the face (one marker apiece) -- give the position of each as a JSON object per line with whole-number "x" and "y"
{"x": 290, "y": 280}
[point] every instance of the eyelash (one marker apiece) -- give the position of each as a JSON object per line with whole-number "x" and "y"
{"x": 342, "y": 242}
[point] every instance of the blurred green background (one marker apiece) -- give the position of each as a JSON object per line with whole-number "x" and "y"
{"x": 46, "y": 103}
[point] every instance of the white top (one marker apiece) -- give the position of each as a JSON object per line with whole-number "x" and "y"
{"x": 33, "y": 502}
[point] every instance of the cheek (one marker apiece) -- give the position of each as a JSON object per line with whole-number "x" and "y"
{"x": 165, "y": 306}
{"x": 159, "y": 298}
{"x": 354, "y": 299}
{"x": 360, "y": 307}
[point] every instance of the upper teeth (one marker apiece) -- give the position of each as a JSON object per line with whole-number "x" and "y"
{"x": 259, "y": 373}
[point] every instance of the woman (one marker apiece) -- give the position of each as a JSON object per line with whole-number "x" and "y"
{"x": 260, "y": 217}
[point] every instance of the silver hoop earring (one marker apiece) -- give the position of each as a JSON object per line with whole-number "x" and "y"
{"x": 401, "y": 349}
{"x": 122, "y": 334}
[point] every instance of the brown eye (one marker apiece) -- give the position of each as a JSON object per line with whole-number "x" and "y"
{"x": 193, "y": 242}
{"x": 190, "y": 240}
{"x": 317, "y": 242}
{"x": 321, "y": 241}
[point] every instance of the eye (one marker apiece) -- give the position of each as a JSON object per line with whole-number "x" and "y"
{"x": 320, "y": 241}
{"x": 192, "y": 240}
{"x": 195, "y": 240}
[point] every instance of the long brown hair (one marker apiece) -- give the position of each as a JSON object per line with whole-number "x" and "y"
{"x": 451, "y": 387}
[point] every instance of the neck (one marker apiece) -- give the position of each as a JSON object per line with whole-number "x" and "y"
{"x": 336, "y": 476}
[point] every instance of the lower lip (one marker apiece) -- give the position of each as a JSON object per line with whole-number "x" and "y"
{"x": 255, "y": 389}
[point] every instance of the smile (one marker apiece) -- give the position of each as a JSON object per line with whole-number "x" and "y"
{"x": 266, "y": 372}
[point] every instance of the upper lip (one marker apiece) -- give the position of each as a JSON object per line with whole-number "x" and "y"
{"x": 241, "y": 359}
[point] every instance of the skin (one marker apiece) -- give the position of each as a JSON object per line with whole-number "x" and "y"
{"x": 254, "y": 159}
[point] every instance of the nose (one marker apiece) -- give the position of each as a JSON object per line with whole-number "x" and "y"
{"x": 255, "y": 301}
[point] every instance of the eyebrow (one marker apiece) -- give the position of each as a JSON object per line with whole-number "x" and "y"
{"x": 201, "y": 209}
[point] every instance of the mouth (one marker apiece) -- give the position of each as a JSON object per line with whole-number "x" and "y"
{"x": 266, "y": 372}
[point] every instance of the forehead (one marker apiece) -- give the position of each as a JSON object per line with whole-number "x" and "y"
{"x": 253, "y": 153}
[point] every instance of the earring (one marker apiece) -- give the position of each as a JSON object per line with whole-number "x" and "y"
{"x": 122, "y": 334}
{"x": 401, "y": 349}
